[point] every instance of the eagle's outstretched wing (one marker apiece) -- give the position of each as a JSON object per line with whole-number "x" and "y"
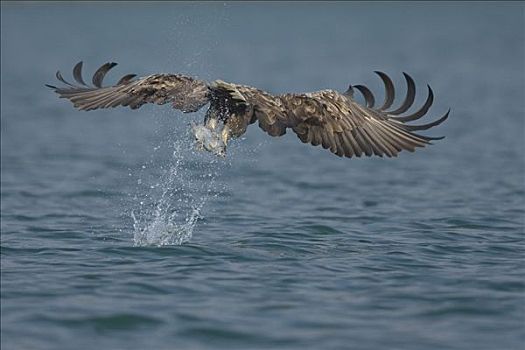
{"x": 185, "y": 93}
{"x": 328, "y": 118}
{"x": 336, "y": 121}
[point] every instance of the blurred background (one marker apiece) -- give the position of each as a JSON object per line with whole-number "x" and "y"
{"x": 286, "y": 245}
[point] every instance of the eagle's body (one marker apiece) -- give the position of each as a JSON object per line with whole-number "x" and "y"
{"x": 328, "y": 118}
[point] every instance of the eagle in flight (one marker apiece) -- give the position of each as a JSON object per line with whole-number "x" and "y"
{"x": 328, "y": 118}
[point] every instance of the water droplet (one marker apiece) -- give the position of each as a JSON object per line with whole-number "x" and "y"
{"x": 186, "y": 185}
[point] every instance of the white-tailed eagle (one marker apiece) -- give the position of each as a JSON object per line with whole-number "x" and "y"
{"x": 328, "y": 118}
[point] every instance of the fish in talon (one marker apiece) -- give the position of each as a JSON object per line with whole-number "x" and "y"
{"x": 208, "y": 140}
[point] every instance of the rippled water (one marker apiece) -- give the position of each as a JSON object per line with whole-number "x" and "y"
{"x": 285, "y": 246}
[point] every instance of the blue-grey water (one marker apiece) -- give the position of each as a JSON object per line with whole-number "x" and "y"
{"x": 285, "y": 246}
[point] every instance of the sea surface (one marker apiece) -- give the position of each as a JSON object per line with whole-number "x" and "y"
{"x": 117, "y": 234}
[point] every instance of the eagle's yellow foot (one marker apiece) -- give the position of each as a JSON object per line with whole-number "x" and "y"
{"x": 225, "y": 135}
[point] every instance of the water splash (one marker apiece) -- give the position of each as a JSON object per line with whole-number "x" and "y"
{"x": 171, "y": 208}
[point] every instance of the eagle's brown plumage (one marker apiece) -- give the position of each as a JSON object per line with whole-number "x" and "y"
{"x": 328, "y": 118}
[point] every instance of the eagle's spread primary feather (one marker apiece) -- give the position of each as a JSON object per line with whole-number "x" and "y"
{"x": 328, "y": 118}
